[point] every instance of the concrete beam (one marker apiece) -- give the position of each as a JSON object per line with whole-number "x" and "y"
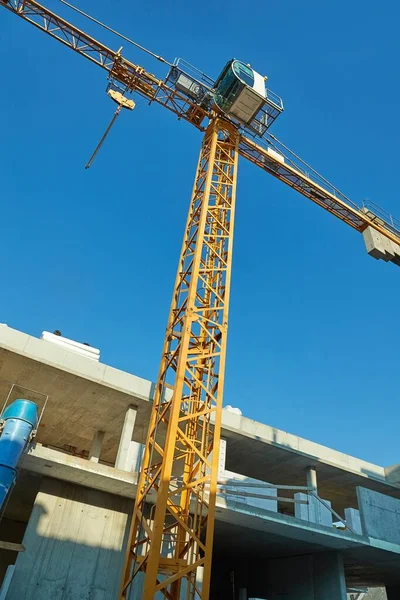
{"x": 95, "y": 449}
{"x": 11, "y": 546}
{"x": 393, "y": 474}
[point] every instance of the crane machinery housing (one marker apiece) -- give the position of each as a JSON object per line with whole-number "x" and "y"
{"x": 170, "y": 541}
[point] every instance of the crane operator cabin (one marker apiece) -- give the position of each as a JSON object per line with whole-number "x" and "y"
{"x": 239, "y": 92}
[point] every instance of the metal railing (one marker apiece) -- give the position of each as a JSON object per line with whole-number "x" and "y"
{"x": 228, "y": 487}
{"x": 382, "y": 214}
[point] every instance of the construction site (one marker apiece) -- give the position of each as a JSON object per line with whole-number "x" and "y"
{"x": 114, "y": 487}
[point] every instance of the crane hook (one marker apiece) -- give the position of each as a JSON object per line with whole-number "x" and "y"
{"x": 122, "y": 102}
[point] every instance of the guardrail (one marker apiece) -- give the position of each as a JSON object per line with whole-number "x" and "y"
{"x": 228, "y": 487}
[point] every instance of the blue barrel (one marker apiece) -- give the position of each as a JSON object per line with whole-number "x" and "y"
{"x": 19, "y": 418}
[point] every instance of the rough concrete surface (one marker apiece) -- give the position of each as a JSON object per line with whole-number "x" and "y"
{"x": 375, "y": 594}
{"x": 380, "y": 515}
{"x": 74, "y": 542}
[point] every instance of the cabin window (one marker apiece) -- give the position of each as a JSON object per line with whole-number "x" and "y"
{"x": 243, "y": 72}
{"x": 228, "y": 89}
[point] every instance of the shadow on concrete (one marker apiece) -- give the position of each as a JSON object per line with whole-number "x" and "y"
{"x": 231, "y": 575}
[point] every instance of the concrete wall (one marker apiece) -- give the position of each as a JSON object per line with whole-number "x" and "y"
{"x": 245, "y": 495}
{"x": 380, "y": 515}
{"x": 74, "y": 545}
{"x": 314, "y": 511}
{"x": 353, "y": 520}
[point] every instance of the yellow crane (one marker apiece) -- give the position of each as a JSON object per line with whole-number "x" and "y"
{"x": 171, "y": 536}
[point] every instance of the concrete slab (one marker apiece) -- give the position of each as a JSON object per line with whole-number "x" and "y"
{"x": 58, "y": 465}
{"x": 84, "y": 396}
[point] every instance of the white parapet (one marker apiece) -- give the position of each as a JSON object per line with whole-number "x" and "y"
{"x": 82, "y": 349}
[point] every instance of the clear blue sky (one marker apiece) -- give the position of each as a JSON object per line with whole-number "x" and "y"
{"x": 314, "y": 328}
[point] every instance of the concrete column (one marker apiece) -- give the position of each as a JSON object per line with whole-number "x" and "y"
{"x": 393, "y": 592}
{"x": 95, "y": 449}
{"x": 222, "y": 458}
{"x": 124, "y": 455}
{"x": 199, "y": 578}
{"x": 312, "y": 479}
{"x": 329, "y": 579}
{"x": 291, "y": 579}
{"x": 6, "y": 582}
{"x": 242, "y": 593}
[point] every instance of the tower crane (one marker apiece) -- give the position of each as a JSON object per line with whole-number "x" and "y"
{"x": 171, "y": 533}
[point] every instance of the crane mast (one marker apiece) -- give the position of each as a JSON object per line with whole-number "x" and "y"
{"x": 170, "y": 541}
{"x": 179, "y": 462}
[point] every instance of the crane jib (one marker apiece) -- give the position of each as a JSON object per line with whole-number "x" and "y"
{"x": 137, "y": 79}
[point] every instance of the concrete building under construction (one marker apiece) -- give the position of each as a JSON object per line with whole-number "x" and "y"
{"x": 295, "y": 520}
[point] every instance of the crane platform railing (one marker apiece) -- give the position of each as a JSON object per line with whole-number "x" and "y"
{"x": 385, "y": 216}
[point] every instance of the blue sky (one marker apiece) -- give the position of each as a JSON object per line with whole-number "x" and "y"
{"x": 313, "y": 344}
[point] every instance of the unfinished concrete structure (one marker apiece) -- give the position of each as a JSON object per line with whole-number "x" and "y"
{"x": 64, "y": 529}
